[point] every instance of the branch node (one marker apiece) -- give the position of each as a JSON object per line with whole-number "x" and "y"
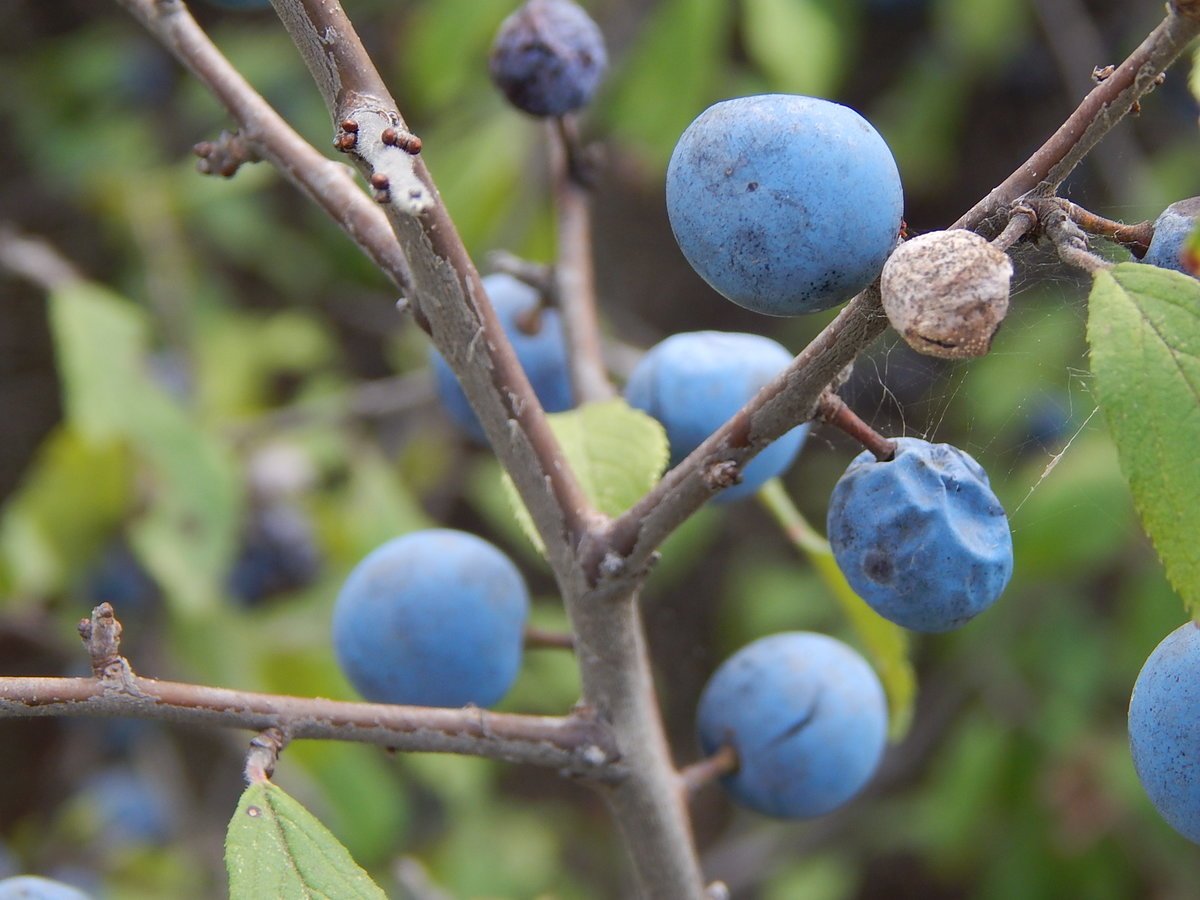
{"x": 225, "y": 155}
{"x": 723, "y": 474}
{"x": 101, "y": 635}
{"x": 265, "y": 748}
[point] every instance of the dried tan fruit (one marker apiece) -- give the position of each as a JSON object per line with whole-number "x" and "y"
{"x": 946, "y": 293}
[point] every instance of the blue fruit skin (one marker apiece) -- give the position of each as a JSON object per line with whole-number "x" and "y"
{"x": 548, "y": 58}
{"x": 542, "y": 355}
{"x": 693, "y": 382}
{"x": 1171, "y": 230}
{"x": 1164, "y": 729}
{"x": 807, "y": 717}
{"x": 784, "y": 204}
{"x": 922, "y": 538}
{"x": 34, "y": 887}
{"x": 432, "y": 618}
{"x": 127, "y": 808}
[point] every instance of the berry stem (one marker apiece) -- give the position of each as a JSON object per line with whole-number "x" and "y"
{"x": 542, "y": 639}
{"x": 574, "y": 274}
{"x": 698, "y": 774}
{"x": 833, "y": 410}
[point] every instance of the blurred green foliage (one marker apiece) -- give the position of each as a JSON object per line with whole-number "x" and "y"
{"x": 236, "y": 328}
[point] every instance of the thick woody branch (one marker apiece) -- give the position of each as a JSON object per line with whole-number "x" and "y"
{"x": 432, "y": 268}
{"x": 1096, "y": 115}
{"x": 447, "y": 295}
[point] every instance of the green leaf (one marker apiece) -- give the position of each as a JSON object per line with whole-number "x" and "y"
{"x": 47, "y": 536}
{"x": 670, "y": 75}
{"x": 1144, "y": 331}
{"x": 1194, "y": 81}
{"x": 101, "y": 339}
{"x": 796, "y": 43}
{"x": 885, "y": 642}
{"x": 187, "y": 532}
{"x": 616, "y": 452}
{"x": 277, "y": 848}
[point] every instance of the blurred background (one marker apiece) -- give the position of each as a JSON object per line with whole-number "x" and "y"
{"x": 287, "y": 425}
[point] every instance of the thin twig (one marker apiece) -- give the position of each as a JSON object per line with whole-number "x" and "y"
{"x": 34, "y": 260}
{"x": 541, "y": 639}
{"x": 578, "y": 744}
{"x": 1021, "y": 221}
{"x": 1095, "y": 116}
{"x": 574, "y": 273}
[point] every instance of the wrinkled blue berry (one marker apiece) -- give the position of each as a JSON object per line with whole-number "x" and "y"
{"x": 807, "y": 717}
{"x": 784, "y": 204}
{"x": 1164, "y": 729}
{"x": 548, "y": 57}
{"x": 543, "y": 354}
{"x": 693, "y": 382}
{"x": 432, "y": 618}
{"x": 1171, "y": 230}
{"x": 922, "y": 538}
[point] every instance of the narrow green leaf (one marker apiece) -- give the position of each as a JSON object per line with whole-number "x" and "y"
{"x": 885, "y": 642}
{"x": 46, "y": 535}
{"x": 1194, "y": 81}
{"x": 796, "y": 43}
{"x": 100, "y": 340}
{"x": 186, "y": 535}
{"x": 276, "y": 848}
{"x": 1144, "y": 332}
{"x": 616, "y": 452}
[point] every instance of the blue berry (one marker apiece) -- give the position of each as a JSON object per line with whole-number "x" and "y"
{"x": 784, "y": 204}
{"x": 922, "y": 538}
{"x": 1171, "y": 230}
{"x": 693, "y": 382}
{"x": 34, "y": 887}
{"x": 125, "y": 807}
{"x": 1164, "y": 729}
{"x": 432, "y": 618}
{"x": 542, "y": 354}
{"x": 278, "y": 554}
{"x": 807, "y": 717}
{"x": 548, "y": 57}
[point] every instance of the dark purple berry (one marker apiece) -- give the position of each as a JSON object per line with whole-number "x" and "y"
{"x": 548, "y": 57}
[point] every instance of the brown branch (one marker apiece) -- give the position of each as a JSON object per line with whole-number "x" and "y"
{"x": 541, "y": 639}
{"x": 577, "y": 744}
{"x": 323, "y": 181}
{"x": 1095, "y": 116}
{"x": 573, "y": 270}
{"x": 789, "y": 399}
{"x": 433, "y": 268}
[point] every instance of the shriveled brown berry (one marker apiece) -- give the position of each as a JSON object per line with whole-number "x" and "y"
{"x": 946, "y": 293}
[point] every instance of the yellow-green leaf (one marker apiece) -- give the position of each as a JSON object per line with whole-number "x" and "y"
{"x": 616, "y": 452}
{"x": 1144, "y": 332}
{"x": 276, "y": 848}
